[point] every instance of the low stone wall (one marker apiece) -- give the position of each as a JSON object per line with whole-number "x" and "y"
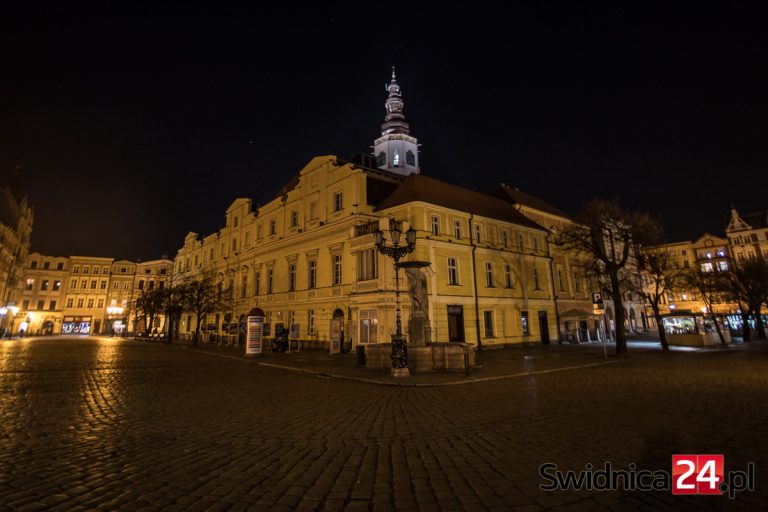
{"x": 437, "y": 357}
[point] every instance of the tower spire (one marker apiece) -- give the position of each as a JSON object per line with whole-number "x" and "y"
{"x": 396, "y": 150}
{"x": 394, "y": 121}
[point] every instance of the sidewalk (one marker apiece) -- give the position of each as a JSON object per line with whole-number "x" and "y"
{"x": 510, "y": 363}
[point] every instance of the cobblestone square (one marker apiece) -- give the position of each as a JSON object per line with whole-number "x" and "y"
{"x": 105, "y": 423}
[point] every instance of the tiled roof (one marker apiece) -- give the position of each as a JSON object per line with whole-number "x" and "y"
{"x": 417, "y": 187}
{"x": 517, "y": 197}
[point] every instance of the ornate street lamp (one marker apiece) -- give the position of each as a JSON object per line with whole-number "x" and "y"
{"x": 394, "y": 250}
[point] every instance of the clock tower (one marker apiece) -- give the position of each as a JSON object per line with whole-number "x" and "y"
{"x": 396, "y": 150}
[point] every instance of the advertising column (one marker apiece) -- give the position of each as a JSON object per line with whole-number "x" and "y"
{"x": 255, "y": 333}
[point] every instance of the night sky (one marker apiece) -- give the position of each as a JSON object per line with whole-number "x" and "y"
{"x": 130, "y": 128}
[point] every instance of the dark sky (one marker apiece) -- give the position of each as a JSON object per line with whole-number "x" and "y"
{"x": 130, "y": 128}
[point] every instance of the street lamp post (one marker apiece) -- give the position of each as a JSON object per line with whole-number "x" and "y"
{"x": 396, "y": 251}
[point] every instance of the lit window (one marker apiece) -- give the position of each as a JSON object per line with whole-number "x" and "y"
{"x": 30, "y": 284}
{"x": 395, "y": 157}
{"x": 524, "y": 323}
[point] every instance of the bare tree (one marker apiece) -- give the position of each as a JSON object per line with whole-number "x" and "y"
{"x": 607, "y": 235}
{"x": 174, "y": 298}
{"x": 203, "y": 297}
{"x": 657, "y": 279}
{"x": 148, "y": 305}
{"x": 712, "y": 286}
{"x": 749, "y": 286}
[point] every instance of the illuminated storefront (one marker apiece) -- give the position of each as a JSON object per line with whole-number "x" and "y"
{"x": 76, "y": 325}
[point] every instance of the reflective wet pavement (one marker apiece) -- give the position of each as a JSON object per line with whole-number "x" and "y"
{"x": 103, "y": 423}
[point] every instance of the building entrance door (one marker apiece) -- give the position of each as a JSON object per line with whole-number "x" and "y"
{"x": 544, "y": 327}
{"x": 456, "y": 323}
{"x": 96, "y": 326}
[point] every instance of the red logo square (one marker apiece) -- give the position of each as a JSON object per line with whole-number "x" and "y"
{"x": 697, "y": 474}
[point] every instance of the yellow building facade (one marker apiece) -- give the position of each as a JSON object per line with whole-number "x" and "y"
{"x": 309, "y": 256}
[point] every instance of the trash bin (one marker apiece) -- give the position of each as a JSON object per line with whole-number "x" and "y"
{"x": 360, "y": 356}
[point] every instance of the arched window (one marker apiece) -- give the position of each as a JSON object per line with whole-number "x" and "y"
{"x": 410, "y": 158}
{"x": 396, "y": 158}
{"x": 381, "y": 159}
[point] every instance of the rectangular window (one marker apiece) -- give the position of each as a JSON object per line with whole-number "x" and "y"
{"x": 536, "y": 279}
{"x": 52, "y": 305}
{"x": 80, "y": 303}
{"x": 520, "y": 241}
{"x": 294, "y": 218}
{"x": 33, "y": 264}
{"x": 115, "y": 285}
{"x": 105, "y": 270}
{"x": 244, "y": 286}
{"x": 453, "y": 271}
{"x": 687, "y": 264}
{"x": 312, "y": 274}
{"x": 101, "y": 303}
{"x": 336, "y": 269}
{"x": 113, "y": 303}
{"x": 46, "y": 265}
{"x": 369, "y": 322}
{"x": 560, "y": 281}
{"x": 141, "y": 284}
{"x": 60, "y": 266}
{"x": 270, "y": 275}
{"x": 234, "y": 245}
{"x": 367, "y": 265}
{"x": 70, "y": 302}
{"x": 338, "y": 201}
{"x": 488, "y": 323}
{"x": 457, "y": 229}
{"x": 504, "y": 238}
{"x": 30, "y": 284}
{"x": 577, "y": 283}
{"x": 93, "y": 284}
{"x": 73, "y": 283}
{"x": 524, "y": 323}
{"x": 86, "y": 269}
{"x": 56, "y": 285}
{"x": 103, "y": 284}
{"x": 310, "y": 321}
{"x": 435, "y": 225}
{"x": 25, "y": 305}
{"x": 90, "y": 303}
{"x": 76, "y": 269}
{"x": 272, "y": 227}
{"x": 40, "y": 304}
{"x": 535, "y": 243}
{"x": 256, "y": 283}
{"x": 292, "y": 277}
{"x": 259, "y": 232}
{"x": 313, "y": 210}
{"x": 489, "y": 274}
{"x": 83, "y": 284}
{"x": 477, "y": 233}
{"x": 122, "y": 270}
{"x": 508, "y": 276}
{"x": 44, "y": 284}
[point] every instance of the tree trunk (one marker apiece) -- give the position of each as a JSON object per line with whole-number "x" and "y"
{"x": 197, "y": 329}
{"x": 719, "y": 331}
{"x": 759, "y": 323}
{"x": 660, "y": 327}
{"x": 618, "y": 304}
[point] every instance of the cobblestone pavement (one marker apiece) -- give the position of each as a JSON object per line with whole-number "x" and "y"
{"x": 100, "y": 423}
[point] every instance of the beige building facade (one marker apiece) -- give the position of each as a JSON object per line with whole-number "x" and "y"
{"x": 16, "y": 219}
